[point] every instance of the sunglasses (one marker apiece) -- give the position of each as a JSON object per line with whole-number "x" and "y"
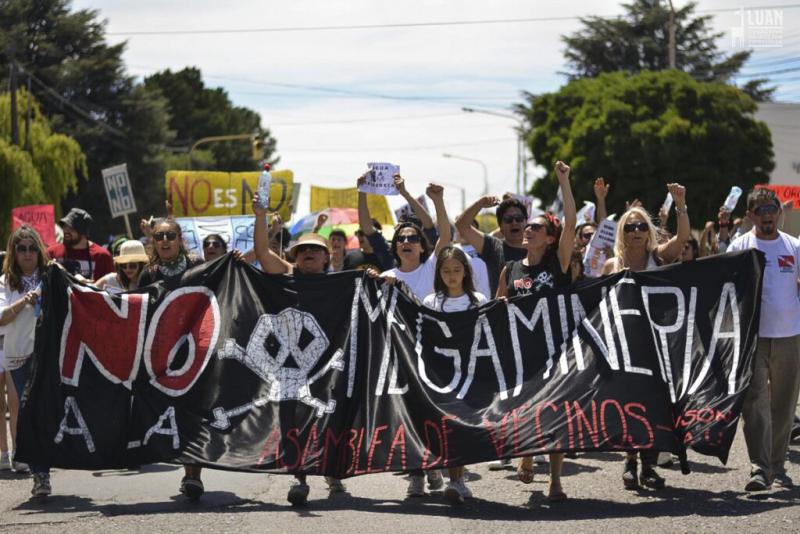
{"x": 22, "y": 249}
{"x": 766, "y": 209}
{"x": 212, "y": 244}
{"x": 169, "y": 236}
{"x": 632, "y": 227}
{"x": 411, "y": 238}
{"x": 508, "y": 219}
{"x": 587, "y": 236}
{"x": 535, "y": 226}
{"x": 127, "y": 266}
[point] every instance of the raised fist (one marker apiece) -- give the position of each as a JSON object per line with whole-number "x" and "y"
{"x": 562, "y": 170}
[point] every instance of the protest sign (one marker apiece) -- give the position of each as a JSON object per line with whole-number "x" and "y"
{"x": 40, "y": 216}
{"x": 339, "y": 376}
{"x": 405, "y": 211}
{"x": 236, "y": 231}
{"x": 602, "y": 240}
{"x": 379, "y": 179}
{"x": 118, "y": 190}
{"x": 212, "y": 193}
{"x": 785, "y": 193}
{"x": 329, "y": 197}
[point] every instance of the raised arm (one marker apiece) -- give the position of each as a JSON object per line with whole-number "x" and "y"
{"x": 600, "y": 194}
{"x": 669, "y": 251}
{"x": 364, "y": 217}
{"x": 436, "y": 194}
{"x": 566, "y": 243}
{"x": 464, "y": 222}
{"x": 418, "y": 209}
{"x": 271, "y": 262}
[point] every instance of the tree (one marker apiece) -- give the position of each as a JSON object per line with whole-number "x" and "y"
{"x": 45, "y": 172}
{"x": 639, "y": 40}
{"x": 197, "y": 111}
{"x": 644, "y": 130}
{"x": 85, "y": 92}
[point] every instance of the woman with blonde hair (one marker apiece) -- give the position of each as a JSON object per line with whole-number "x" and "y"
{"x": 23, "y": 270}
{"x": 636, "y": 248}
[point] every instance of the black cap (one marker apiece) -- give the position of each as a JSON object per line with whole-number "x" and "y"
{"x": 78, "y": 219}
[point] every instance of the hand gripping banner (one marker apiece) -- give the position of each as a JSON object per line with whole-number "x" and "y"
{"x": 339, "y": 375}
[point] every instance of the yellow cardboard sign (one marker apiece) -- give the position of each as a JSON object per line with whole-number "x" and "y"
{"x": 329, "y": 197}
{"x": 211, "y": 193}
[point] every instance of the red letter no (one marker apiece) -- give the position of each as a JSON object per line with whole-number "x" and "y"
{"x": 187, "y": 315}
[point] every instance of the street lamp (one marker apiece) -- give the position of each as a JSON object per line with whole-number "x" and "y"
{"x": 479, "y": 162}
{"x": 522, "y": 166}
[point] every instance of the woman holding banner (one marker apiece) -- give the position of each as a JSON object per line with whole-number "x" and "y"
{"x": 20, "y": 289}
{"x": 636, "y": 248}
{"x": 546, "y": 266}
{"x": 169, "y": 259}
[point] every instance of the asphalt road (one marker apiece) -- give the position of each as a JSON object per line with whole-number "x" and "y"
{"x": 711, "y": 499}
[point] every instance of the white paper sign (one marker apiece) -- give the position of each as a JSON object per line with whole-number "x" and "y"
{"x": 380, "y": 179}
{"x": 595, "y": 256}
{"x": 586, "y": 213}
{"x": 405, "y": 211}
{"x": 118, "y": 190}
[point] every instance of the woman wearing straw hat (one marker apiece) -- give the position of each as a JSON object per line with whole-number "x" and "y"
{"x": 129, "y": 265}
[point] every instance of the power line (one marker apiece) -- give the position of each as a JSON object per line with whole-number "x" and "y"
{"x": 368, "y": 119}
{"x": 769, "y": 73}
{"x": 356, "y": 27}
{"x": 400, "y": 148}
{"x": 81, "y": 112}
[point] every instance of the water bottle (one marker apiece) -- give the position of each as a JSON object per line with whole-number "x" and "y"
{"x": 733, "y": 198}
{"x": 667, "y": 202}
{"x": 264, "y": 183}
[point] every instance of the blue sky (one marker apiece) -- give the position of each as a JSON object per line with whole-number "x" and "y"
{"x": 428, "y": 73}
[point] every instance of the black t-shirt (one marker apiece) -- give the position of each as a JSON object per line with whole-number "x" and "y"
{"x": 524, "y": 279}
{"x": 356, "y": 259}
{"x": 495, "y": 253}
{"x": 153, "y": 274}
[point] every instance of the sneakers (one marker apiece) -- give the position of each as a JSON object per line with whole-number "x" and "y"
{"x": 192, "y": 487}
{"x": 783, "y": 481}
{"x": 630, "y": 480}
{"x": 335, "y": 485}
{"x": 5, "y": 461}
{"x": 499, "y": 465}
{"x": 650, "y": 479}
{"x": 298, "y": 494}
{"x": 41, "y": 485}
{"x": 416, "y": 486}
{"x": 664, "y": 459}
{"x": 435, "y": 480}
{"x": 757, "y": 482}
{"x": 456, "y": 491}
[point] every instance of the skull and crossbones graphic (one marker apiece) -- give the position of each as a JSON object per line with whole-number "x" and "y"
{"x": 276, "y": 338}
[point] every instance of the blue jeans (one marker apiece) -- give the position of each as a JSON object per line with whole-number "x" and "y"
{"x": 20, "y": 378}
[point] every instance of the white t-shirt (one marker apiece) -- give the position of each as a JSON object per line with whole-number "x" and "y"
{"x": 112, "y": 284}
{"x": 479, "y": 274}
{"x": 780, "y": 307}
{"x": 420, "y": 280}
{"x": 438, "y": 302}
{"x": 19, "y": 333}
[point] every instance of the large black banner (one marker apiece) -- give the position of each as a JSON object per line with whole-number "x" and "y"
{"x": 339, "y": 375}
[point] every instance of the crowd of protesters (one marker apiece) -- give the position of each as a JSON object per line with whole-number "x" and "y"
{"x": 448, "y": 268}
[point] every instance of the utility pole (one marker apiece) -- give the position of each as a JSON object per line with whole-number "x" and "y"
{"x": 671, "y": 35}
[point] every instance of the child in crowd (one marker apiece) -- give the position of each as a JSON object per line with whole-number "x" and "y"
{"x": 454, "y": 291}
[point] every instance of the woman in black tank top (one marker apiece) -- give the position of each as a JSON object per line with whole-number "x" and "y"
{"x": 546, "y": 266}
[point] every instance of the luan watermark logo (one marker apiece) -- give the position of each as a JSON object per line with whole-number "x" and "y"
{"x": 758, "y": 28}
